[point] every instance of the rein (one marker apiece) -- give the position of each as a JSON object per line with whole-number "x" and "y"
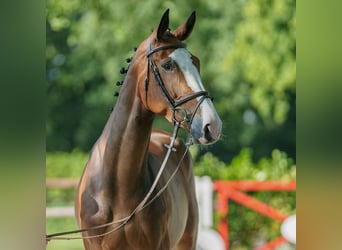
{"x": 175, "y": 105}
{"x": 144, "y": 203}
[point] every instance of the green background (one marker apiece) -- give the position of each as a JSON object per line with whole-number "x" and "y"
{"x": 23, "y": 108}
{"x": 23, "y": 115}
{"x": 248, "y": 63}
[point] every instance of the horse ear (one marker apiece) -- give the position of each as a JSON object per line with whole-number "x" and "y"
{"x": 163, "y": 25}
{"x": 185, "y": 29}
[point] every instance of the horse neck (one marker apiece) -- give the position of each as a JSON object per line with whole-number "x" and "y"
{"x": 127, "y": 136}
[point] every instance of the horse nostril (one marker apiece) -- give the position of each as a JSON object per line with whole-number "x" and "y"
{"x": 211, "y": 132}
{"x": 207, "y": 132}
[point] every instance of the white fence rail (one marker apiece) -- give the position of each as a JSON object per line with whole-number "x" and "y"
{"x": 59, "y": 212}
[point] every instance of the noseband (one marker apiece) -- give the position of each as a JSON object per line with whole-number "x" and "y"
{"x": 174, "y": 104}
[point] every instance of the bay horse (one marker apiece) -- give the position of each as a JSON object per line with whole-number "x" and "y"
{"x": 162, "y": 79}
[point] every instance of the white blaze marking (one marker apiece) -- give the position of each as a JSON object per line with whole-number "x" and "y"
{"x": 208, "y": 113}
{"x": 183, "y": 59}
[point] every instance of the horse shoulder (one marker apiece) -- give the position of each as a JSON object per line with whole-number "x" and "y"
{"x": 91, "y": 205}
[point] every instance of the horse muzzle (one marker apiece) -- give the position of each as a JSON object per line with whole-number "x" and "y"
{"x": 206, "y": 128}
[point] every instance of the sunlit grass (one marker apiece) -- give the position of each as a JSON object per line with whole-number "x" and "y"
{"x": 57, "y": 225}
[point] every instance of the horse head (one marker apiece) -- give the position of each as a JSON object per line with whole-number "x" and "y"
{"x": 172, "y": 85}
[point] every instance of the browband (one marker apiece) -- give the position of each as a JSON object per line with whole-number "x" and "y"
{"x": 150, "y": 51}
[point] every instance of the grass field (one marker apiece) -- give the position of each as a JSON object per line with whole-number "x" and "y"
{"x": 63, "y": 165}
{"x": 60, "y": 225}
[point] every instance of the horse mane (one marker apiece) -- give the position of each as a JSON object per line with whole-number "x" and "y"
{"x": 123, "y": 71}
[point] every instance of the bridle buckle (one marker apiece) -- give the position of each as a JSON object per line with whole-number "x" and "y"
{"x": 179, "y": 115}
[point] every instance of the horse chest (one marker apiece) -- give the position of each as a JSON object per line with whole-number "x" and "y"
{"x": 162, "y": 224}
{"x": 178, "y": 212}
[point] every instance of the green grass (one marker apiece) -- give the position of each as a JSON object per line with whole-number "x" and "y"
{"x": 57, "y": 225}
{"x": 63, "y": 165}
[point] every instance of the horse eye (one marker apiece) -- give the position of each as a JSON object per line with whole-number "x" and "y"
{"x": 168, "y": 66}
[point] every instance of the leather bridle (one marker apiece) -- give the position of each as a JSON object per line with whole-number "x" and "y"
{"x": 174, "y": 104}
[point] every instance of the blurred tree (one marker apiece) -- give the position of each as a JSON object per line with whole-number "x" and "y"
{"x": 251, "y": 68}
{"x": 87, "y": 43}
{"x": 247, "y": 51}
